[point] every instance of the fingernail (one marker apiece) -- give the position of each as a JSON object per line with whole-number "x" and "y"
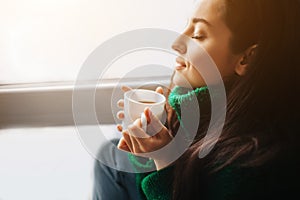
{"x": 144, "y": 121}
{"x": 149, "y": 112}
{"x": 119, "y": 127}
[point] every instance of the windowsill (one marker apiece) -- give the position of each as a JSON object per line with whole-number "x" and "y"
{"x": 50, "y": 104}
{"x": 69, "y": 85}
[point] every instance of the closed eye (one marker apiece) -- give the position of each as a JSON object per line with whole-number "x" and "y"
{"x": 199, "y": 37}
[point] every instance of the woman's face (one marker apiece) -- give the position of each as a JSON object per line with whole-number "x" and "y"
{"x": 208, "y": 29}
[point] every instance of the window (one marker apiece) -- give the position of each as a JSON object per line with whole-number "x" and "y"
{"x": 43, "y": 44}
{"x": 46, "y": 41}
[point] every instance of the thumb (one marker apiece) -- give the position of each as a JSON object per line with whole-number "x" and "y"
{"x": 154, "y": 125}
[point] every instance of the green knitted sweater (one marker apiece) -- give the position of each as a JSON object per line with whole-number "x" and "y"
{"x": 276, "y": 179}
{"x": 157, "y": 185}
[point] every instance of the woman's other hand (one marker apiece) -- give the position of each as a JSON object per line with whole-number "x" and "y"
{"x": 137, "y": 141}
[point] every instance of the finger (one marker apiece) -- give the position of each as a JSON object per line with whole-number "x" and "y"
{"x": 154, "y": 126}
{"x": 147, "y": 114}
{"x": 123, "y": 145}
{"x": 138, "y": 122}
{"x": 127, "y": 140}
{"x": 137, "y": 132}
{"x": 154, "y": 143}
{"x": 125, "y": 88}
{"x": 120, "y": 127}
{"x": 120, "y": 103}
{"x": 120, "y": 115}
{"x": 159, "y": 90}
{"x": 135, "y": 144}
{"x": 139, "y": 139}
{"x": 164, "y": 133}
{"x": 144, "y": 122}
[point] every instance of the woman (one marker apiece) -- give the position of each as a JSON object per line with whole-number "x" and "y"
{"x": 255, "y": 44}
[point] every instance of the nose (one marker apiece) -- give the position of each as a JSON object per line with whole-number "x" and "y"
{"x": 179, "y": 45}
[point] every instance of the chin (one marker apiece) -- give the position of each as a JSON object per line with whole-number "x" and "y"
{"x": 180, "y": 80}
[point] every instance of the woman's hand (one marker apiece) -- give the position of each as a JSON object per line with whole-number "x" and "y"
{"x": 120, "y": 104}
{"x": 120, "y": 115}
{"x": 137, "y": 141}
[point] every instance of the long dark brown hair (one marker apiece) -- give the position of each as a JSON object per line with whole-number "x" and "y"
{"x": 263, "y": 104}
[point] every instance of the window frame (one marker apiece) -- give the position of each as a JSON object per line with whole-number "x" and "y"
{"x": 50, "y": 104}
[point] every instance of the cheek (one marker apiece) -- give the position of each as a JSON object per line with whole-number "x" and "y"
{"x": 226, "y": 65}
{"x": 224, "y": 60}
{"x": 204, "y": 67}
{"x": 210, "y": 63}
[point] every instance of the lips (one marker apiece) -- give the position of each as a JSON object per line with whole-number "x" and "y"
{"x": 180, "y": 63}
{"x": 180, "y": 67}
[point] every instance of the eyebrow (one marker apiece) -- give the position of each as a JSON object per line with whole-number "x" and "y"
{"x": 197, "y": 20}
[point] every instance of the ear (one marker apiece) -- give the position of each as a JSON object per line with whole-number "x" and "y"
{"x": 242, "y": 64}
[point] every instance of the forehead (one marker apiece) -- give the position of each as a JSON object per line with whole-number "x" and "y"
{"x": 209, "y": 9}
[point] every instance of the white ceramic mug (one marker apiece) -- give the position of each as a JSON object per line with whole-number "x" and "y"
{"x": 136, "y": 100}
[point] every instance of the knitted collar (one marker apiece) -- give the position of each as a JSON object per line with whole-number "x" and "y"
{"x": 181, "y": 95}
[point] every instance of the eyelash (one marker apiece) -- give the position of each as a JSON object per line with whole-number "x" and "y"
{"x": 198, "y": 37}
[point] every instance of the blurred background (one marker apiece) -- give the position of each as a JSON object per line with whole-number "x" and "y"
{"x": 43, "y": 44}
